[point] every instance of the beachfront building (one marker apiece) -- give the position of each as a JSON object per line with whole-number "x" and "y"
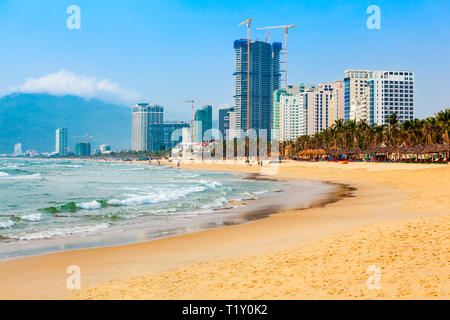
{"x": 293, "y": 116}
{"x": 164, "y": 136}
{"x": 203, "y": 124}
{"x": 18, "y": 149}
{"x": 61, "y": 142}
{"x": 373, "y": 95}
{"x": 105, "y": 149}
{"x": 224, "y": 120}
{"x": 275, "y": 125}
{"x": 356, "y": 93}
{"x": 144, "y": 115}
{"x": 337, "y": 104}
{"x": 264, "y": 79}
{"x": 318, "y": 108}
{"x": 390, "y": 92}
{"x": 232, "y": 132}
{"x": 83, "y": 149}
{"x": 285, "y": 106}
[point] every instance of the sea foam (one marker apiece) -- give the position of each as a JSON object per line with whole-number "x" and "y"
{"x": 92, "y": 205}
{"x": 33, "y": 217}
{"x": 58, "y": 232}
{"x": 155, "y": 198}
{"x": 6, "y": 224}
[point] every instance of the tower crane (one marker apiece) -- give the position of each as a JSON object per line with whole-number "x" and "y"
{"x": 192, "y": 102}
{"x": 286, "y": 28}
{"x": 86, "y": 136}
{"x": 248, "y": 22}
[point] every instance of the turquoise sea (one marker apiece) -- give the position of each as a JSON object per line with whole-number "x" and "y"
{"x": 52, "y": 205}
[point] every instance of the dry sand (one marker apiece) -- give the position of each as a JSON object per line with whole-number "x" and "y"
{"x": 397, "y": 221}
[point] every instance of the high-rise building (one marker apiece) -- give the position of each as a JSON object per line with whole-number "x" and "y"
{"x": 18, "y": 149}
{"x": 61, "y": 141}
{"x": 144, "y": 115}
{"x": 264, "y": 79}
{"x": 293, "y": 121}
{"x": 83, "y": 149}
{"x": 275, "y": 124}
{"x": 203, "y": 124}
{"x": 289, "y": 112}
{"x": 337, "y": 103}
{"x": 232, "y": 130}
{"x": 318, "y": 108}
{"x": 391, "y": 92}
{"x": 164, "y": 136}
{"x": 104, "y": 148}
{"x": 150, "y": 132}
{"x": 355, "y": 97}
{"x": 373, "y": 95}
{"x": 224, "y": 120}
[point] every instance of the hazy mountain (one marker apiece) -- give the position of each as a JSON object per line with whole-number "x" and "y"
{"x": 33, "y": 118}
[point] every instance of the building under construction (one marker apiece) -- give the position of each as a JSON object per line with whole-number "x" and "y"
{"x": 265, "y": 77}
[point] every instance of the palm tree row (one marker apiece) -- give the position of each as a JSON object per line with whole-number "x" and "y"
{"x": 352, "y": 134}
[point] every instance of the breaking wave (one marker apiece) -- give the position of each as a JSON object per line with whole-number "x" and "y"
{"x": 58, "y": 232}
{"x": 34, "y": 217}
{"x": 155, "y": 198}
{"x": 6, "y": 224}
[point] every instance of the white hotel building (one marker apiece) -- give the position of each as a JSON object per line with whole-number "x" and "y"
{"x": 373, "y": 95}
{"x": 293, "y": 116}
{"x": 306, "y": 112}
{"x": 391, "y": 92}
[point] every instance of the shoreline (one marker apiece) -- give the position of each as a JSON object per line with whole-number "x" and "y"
{"x": 374, "y": 202}
{"x": 241, "y": 212}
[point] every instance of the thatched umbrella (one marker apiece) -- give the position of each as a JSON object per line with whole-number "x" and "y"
{"x": 312, "y": 152}
{"x": 335, "y": 152}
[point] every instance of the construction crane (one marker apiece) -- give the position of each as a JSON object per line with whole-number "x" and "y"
{"x": 192, "y": 101}
{"x": 285, "y": 45}
{"x": 86, "y": 136}
{"x": 267, "y": 36}
{"x": 248, "y": 22}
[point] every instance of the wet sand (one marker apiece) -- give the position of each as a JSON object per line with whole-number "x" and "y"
{"x": 322, "y": 252}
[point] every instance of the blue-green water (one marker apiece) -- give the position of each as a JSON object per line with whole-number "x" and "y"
{"x": 53, "y": 205}
{"x": 46, "y": 199}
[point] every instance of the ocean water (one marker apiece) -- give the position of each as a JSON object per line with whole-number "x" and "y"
{"x": 54, "y": 205}
{"x": 53, "y": 198}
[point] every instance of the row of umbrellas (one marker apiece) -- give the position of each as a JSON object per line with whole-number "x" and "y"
{"x": 419, "y": 149}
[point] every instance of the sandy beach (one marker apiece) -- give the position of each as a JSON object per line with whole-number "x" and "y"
{"x": 397, "y": 221}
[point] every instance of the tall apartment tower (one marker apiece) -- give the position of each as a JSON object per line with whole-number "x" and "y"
{"x": 373, "y": 95}
{"x": 391, "y": 92}
{"x": 224, "y": 120}
{"x": 290, "y": 111}
{"x": 337, "y": 103}
{"x": 61, "y": 142}
{"x": 356, "y": 93}
{"x": 319, "y": 107}
{"x": 18, "y": 149}
{"x": 264, "y": 79}
{"x": 143, "y": 116}
{"x": 203, "y": 124}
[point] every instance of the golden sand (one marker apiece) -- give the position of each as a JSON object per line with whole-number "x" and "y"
{"x": 397, "y": 221}
{"x": 412, "y": 258}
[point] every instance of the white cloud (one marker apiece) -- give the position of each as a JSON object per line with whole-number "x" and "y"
{"x": 67, "y": 83}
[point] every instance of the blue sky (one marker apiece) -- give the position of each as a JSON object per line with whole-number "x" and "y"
{"x": 167, "y": 51}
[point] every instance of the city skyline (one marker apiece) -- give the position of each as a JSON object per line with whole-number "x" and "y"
{"x": 316, "y": 48}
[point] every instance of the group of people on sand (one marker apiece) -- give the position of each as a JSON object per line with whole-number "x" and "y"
{"x": 158, "y": 162}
